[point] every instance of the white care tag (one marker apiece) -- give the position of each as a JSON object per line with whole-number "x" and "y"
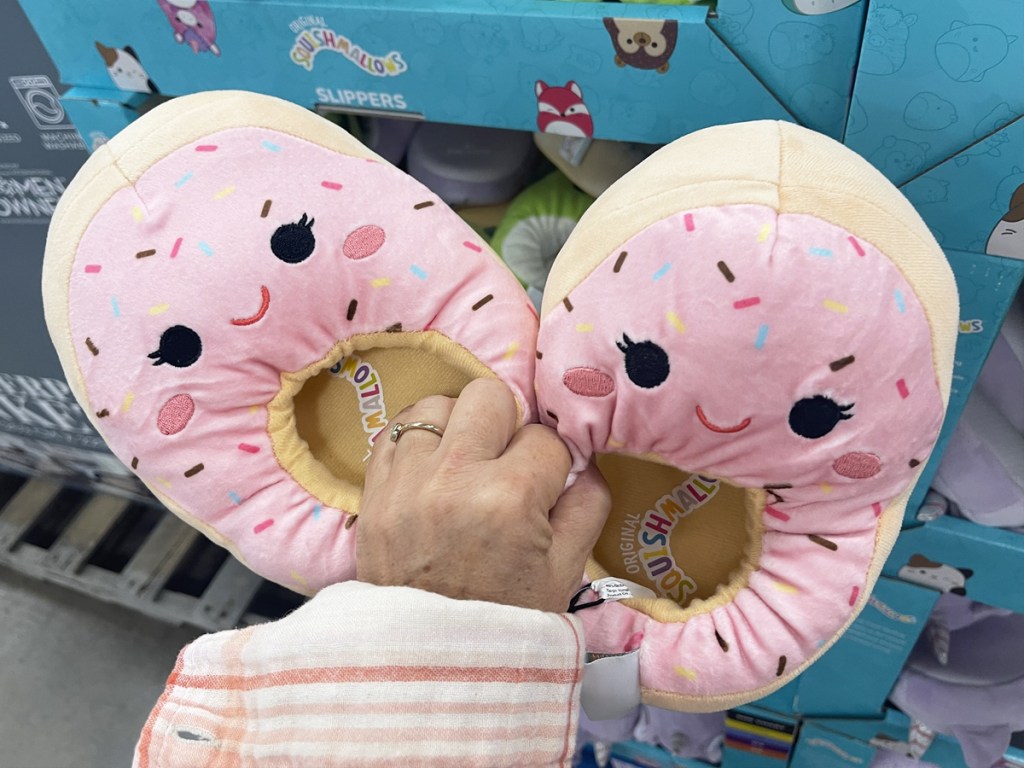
{"x": 611, "y": 686}
{"x": 574, "y": 148}
{"x": 611, "y": 588}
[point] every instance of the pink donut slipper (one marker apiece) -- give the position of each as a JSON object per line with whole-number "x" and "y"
{"x": 242, "y": 295}
{"x": 753, "y": 333}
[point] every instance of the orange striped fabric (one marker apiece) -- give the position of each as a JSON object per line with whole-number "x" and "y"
{"x": 374, "y": 676}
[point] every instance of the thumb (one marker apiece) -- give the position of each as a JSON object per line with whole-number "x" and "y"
{"x": 576, "y": 522}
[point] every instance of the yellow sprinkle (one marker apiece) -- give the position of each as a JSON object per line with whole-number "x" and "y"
{"x": 689, "y": 674}
{"x": 676, "y": 322}
{"x": 825, "y": 488}
{"x": 511, "y": 351}
{"x": 164, "y": 482}
{"x": 137, "y": 213}
{"x": 763, "y": 234}
{"x": 297, "y": 578}
{"x": 584, "y": 327}
{"x": 223, "y": 193}
{"x": 253, "y": 408}
{"x": 159, "y": 309}
{"x": 782, "y": 586}
{"x": 835, "y": 306}
{"x": 127, "y": 402}
{"x": 380, "y": 282}
{"x": 614, "y": 443}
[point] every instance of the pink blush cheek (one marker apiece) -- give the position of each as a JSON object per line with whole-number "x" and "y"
{"x": 364, "y": 241}
{"x": 857, "y": 466}
{"x": 175, "y": 414}
{"x": 588, "y": 382}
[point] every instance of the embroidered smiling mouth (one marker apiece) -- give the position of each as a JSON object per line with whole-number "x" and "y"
{"x": 264, "y": 306}
{"x": 723, "y": 430}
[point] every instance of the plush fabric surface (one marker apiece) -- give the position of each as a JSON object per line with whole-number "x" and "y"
{"x": 753, "y": 305}
{"x": 206, "y": 270}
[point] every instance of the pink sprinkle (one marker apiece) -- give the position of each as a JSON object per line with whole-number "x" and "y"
{"x": 853, "y": 595}
{"x": 634, "y": 642}
{"x": 688, "y": 218}
{"x": 744, "y": 303}
{"x": 331, "y": 185}
{"x": 901, "y": 385}
{"x": 777, "y": 514}
{"x": 92, "y": 269}
{"x": 177, "y": 246}
{"x": 266, "y": 524}
{"x": 206, "y": 148}
{"x": 856, "y": 245}
{"x": 248, "y": 448}
{"x": 472, "y": 246}
{"x": 877, "y": 508}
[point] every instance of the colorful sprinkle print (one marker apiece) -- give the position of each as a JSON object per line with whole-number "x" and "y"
{"x": 766, "y": 230}
{"x": 330, "y": 185}
{"x": 673, "y": 318}
{"x": 351, "y": 309}
{"x": 568, "y": 304}
{"x": 584, "y": 327}
{"x": 159, "y": 309}
{"x": 176, "y": 248}
{"x": 226, "y": 192}
{"x": 662, "y": 272}
{"x": 266, "y": 208}
{"x": 92, "y": 347}
{"x": 726, "y": 272}
{"x": 619, "y": 262}
{"x": 753, "y": 301}
{"x": 135, "y": 462}
{"x": 472, "y": 246}
{"x": 92, "y": 269}
{"x": 261, "y": 527}
{"x": 316, "y": 511}
{"x": 235, "y": 498}
{"x": 825, "y": 488}
{"x": 688, "y": 219}
{"x": 129, "y": 398}
{"x": 418, "y": 271}
{"x": 777, "y": 514}
{"x": 835, "y": 306}
{"x": 146, "y": 254}
{"x": 193, "y": 471}
{"x": 901, "y": 303}
{"x": 483, "y": 301}
{"x": 876, "y": 508}
{"x": 901, "y": 387}
{"x": 823, "y": 542}
{"x": 424, "y": 204}
{"x": 205, "y": 248}
{"x": 785, "y": 588}
{"x": 781, "y": 666}
{"x": 762, "y": 336}
{"x": 689, "y": 674}
{"x": 380, "y": 282}
{"x": 856, "y": 246}
{"x": 183, "y": 180}
{"x": 511, "y": 351}
{"x": 838, "y": 365}
{"x": 269, "y": 145}
{"x": 854, "y": 593}
{"x": 206, "y": 148}
{"x": 248, "y": 448}
{"x": 114, "y": 306}
{"x": 823, "y": 252}
{"x": 137, "y": 213}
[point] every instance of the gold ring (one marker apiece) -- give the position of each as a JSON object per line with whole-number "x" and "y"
{"x": 397, "y": 429}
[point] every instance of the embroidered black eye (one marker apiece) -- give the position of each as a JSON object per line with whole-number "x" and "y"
{"x": 292, "y": 243}
{"x": 815, "y": 417}
{"x": 646, "y": 362}
{"x": 180, "y": 346}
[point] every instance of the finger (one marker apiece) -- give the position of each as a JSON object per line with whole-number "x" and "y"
{"x": 538, "y": 454}
{"x": 414, "y": 445}
{"x": 577, "y": 520}
{"x": 482, "y": 422}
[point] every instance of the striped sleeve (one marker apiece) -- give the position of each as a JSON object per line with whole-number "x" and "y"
{"x": 374, "y": 676}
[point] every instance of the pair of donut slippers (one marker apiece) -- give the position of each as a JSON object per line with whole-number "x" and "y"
{"x": 751, "y": 333}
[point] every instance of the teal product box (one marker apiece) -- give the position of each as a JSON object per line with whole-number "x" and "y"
{"x": 758, "y": 738}
{"x": 805, "y": 52}
{"x": 845, "y": 743}
{"x": 864, "y": 663}
{"x": 635, "y": 72}
{"x": 627, "y": 754}
{"x": 954, "y": 555}
{"x": 99, "y": 113}
{"x": 936, "y": 78}
{"x": 987, "y": 286}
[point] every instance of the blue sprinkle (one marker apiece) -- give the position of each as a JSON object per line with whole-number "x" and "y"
{"x": 234, "y": 497}
{"x": 661, "y": 272}
{"x": 114, "y": 306}
{"x": 821, "y": 252}
{"x": 270, "y": 145}
{"x": 900, "y": 303}
{"x": 762, "y": 334}
{"x": 205, "y": 248}
{"x": 183, "y": 180}
{"x": 418, "y": 272}
{"x": 316, "y": 511}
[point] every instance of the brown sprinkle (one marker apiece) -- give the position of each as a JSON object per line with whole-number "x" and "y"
{"x": 782, "y": 666}
{"x": 568, "y": 304}
{"x": 483, "y": 301}
{"x": 352, "y": 309}
{"x": 91, "y": 346}
{"x": 914, "y": 463}
{"x": 135, "y": 462}
{"x": 724, "y": 269}
{"x": 540, "y": 355}
{"x": 618, "y": 262}
{"x": 350, "y": 521}
{"x": 266, "y": 209}
{"x": 103, "y": 414}
{"x": 194, "y": 470}
{"x": 425, "y": 204}
{"x": 823, "y": 542}
{"x": 721, "y": 642}
{"x": 144, "y": 254}
{"x": 396, "y": 328}
{"x": 836, "y": 365}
